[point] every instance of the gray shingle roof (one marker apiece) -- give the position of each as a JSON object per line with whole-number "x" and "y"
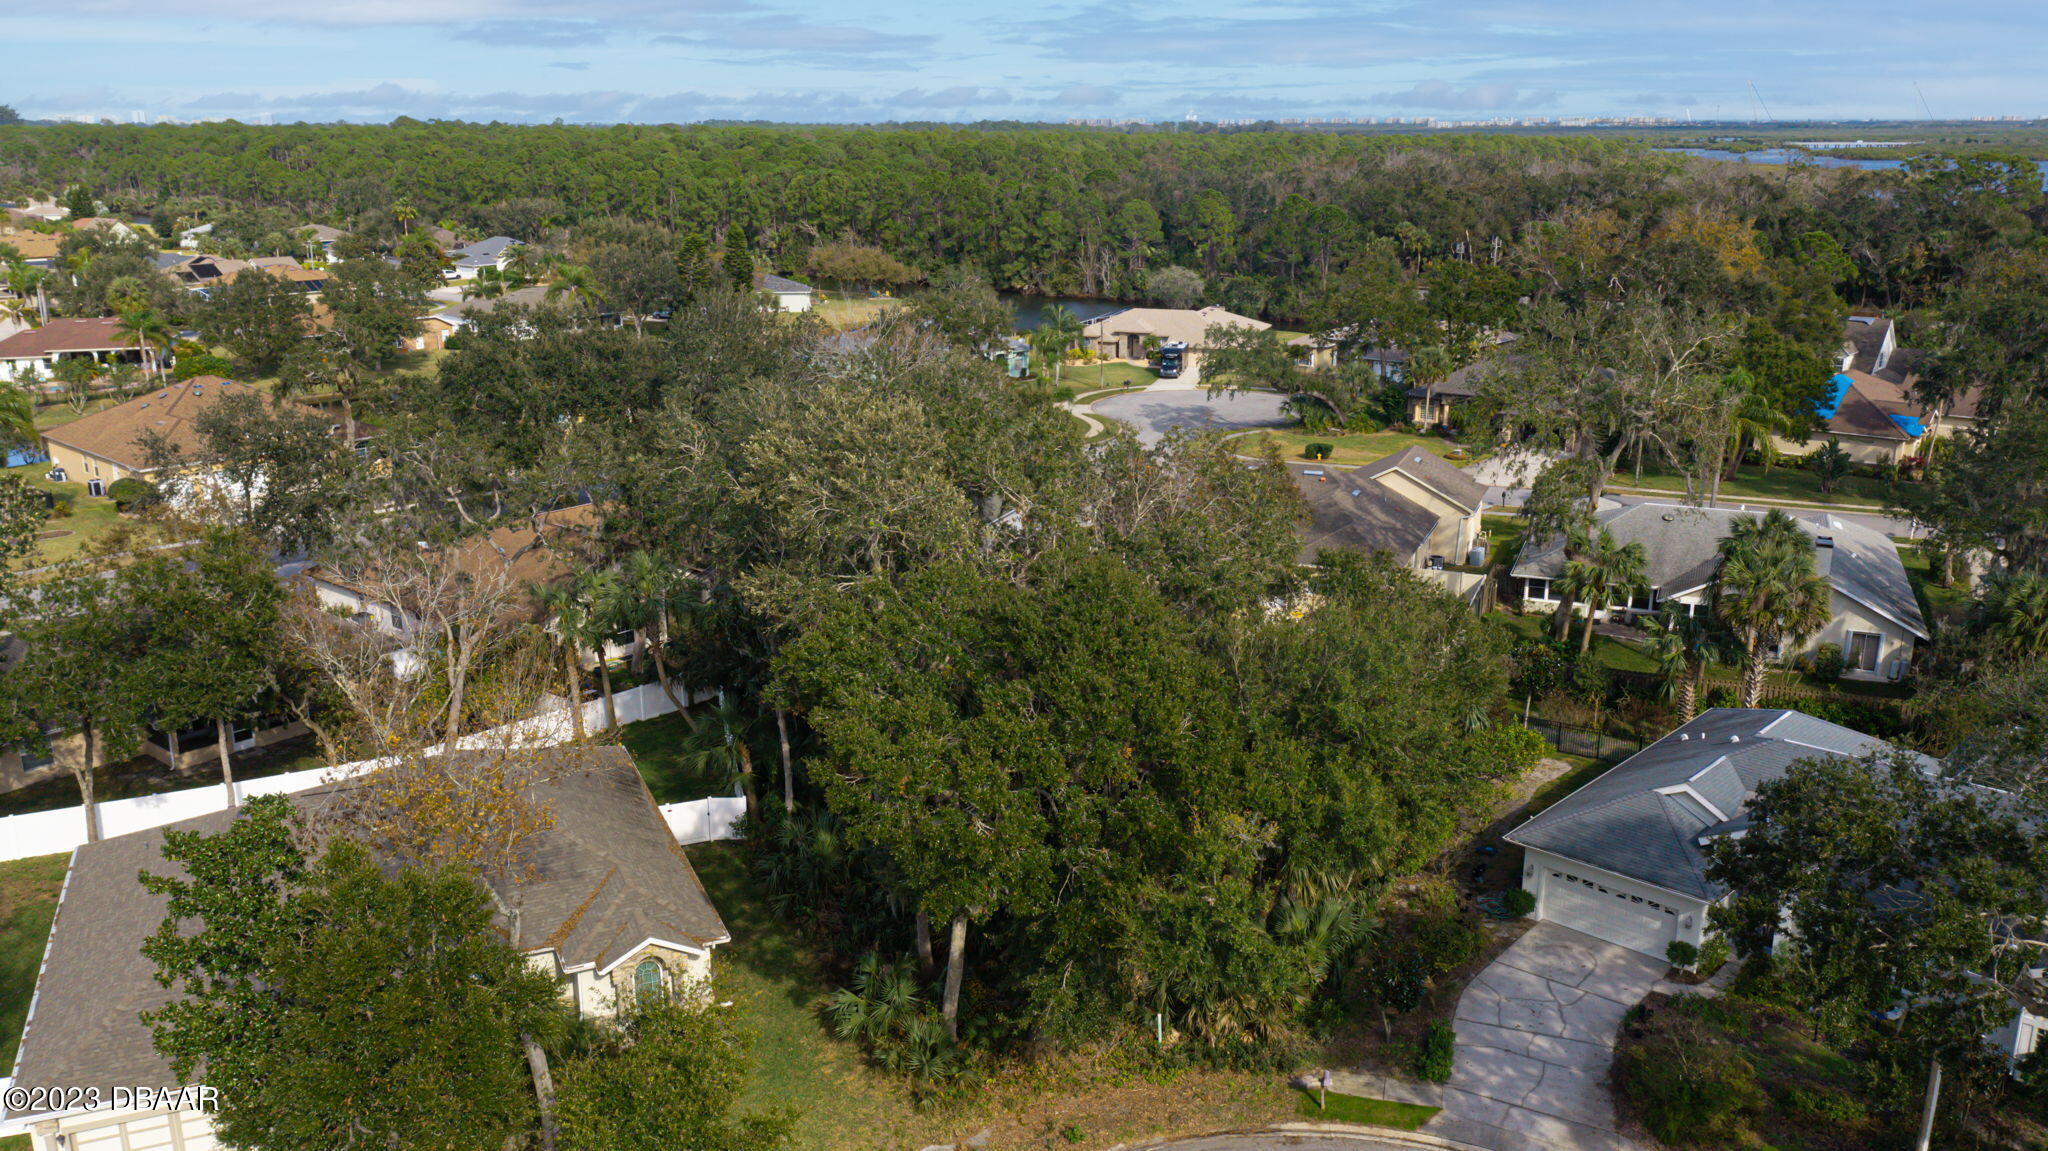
{"x": 1433, "y": 472}
{"x": 1683, "y": 545}
{"x": 1348, "y": 511}
{"x": 774, "y": 283}
{"x": 1624, "y": 822}
{"x": 482, "y": 253}
{"x": 608, "y": 875}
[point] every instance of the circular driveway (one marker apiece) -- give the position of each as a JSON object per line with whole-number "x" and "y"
{"x": 1155, "y": 412}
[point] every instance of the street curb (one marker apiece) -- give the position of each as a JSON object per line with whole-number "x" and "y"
{"x": 1788, "y": 505}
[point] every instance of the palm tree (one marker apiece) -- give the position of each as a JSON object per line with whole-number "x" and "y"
{"x": 576, "y": 280}
{"x": 1829, "y": 465}
{"x": 149, "y": 331}
{"x": 650, "y": 591}
{"x": 489, "y": 284}
{"x": 2014, "y": 611}
{"x": 604, "y": 611}
{"x": 1058, "y": 330}
{"x": 404, "y": 213}
{"x": 25, "y": 280}
{"x": 1682, "y": 646}
{"x": 1767, "y": 592}
{"x": 1755, "y": 421}
{"x": 720, "y": 745}
{"x": 568, "y": 619}
{"x": 1608, "y": 569}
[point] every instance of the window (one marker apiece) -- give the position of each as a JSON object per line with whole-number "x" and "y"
{"x": 1863, "y": 650}
{"x": 1536, "y": 589}
{"x": 648, "y": 983}
{"x": 93, "y": 487}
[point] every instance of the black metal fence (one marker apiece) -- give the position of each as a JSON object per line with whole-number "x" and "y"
{"x": 1594, "y": 742}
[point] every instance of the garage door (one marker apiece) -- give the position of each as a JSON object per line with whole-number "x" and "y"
{"x": 1633, "y": 921}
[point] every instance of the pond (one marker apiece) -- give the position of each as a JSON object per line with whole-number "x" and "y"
{"x": 20, "y": 456}
{"x": 1029, "y": 311}
{"x": 1795, "y": 156}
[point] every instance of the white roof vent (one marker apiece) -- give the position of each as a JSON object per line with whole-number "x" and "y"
{"x": 1734, "y": 739}
{"x": 1683, "y": 736}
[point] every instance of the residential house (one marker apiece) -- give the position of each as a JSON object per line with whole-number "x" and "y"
{"x": 1132, "y": 333}
{"x": 1315, "y": 352}
{"x": 39, "y": 350}
{"x": 1624, "y": 858}
{"x": 189, "y": 238}
{"x": 437, "y": 326}
{"x": 104, "y": 223}
{"x": 790, "y": 296}
{"x": 608, "y": 905}
{"x": 1871, "y": 410}
{"x": 320, "y": 241}
{"x": 107, "y": 445}
{"x": 465, "y": 262}
{"x": 1414, "y": 505}
{"x": 37, "y": 249}
{"x": 1874, "y": 616}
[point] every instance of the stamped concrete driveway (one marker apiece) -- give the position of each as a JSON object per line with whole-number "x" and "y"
{"x": 1158, "y": 410}
{"x": 1536, "y": 1034}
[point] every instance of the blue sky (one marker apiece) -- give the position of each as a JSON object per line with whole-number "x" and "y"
{"x": 813, "y": 60}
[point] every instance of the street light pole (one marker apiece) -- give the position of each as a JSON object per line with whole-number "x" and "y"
{"x": 1927, "y": 1116}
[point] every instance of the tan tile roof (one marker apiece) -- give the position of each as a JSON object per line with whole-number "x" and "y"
{"x": 115, "y": 434}
{"x": 100, "y": 334}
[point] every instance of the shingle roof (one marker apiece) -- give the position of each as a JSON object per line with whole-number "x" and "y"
{"x": 774, "y": 283}
{"x": 33, "y": 245}
{"x": 1356, "y": 513}
{"x": 1186, "y": 325}
{"x": 98, "y": 334}
{"x": 532, "y": 296}
{"x": 1683, "y": 550}
{"x": 1461, "y": 384}
{"x": 1624, "y": 822}
{"x": 1431, "y": 471}
{"x": 483, "y": 252}
{"x": 608, "y": 876}
{"x": 116, "y": 433}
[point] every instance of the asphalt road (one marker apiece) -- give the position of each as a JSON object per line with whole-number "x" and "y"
{"x": 1157, "y": 410}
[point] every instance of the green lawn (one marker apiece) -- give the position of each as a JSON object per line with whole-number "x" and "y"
{"x": 1940, "y": 605}
{"x": 1354, "y": 448}
{"x": 1358, "y": 1109}
{"x": 657, "y": 746}
{"x": 1091, "y": 377}
{"x": 1616, "y": 654}
{"x": 779, "y": 986}
{"x": 851, "y": 311}
{"x": 28, "y": 901}
{"x": 1504, "y": 538}
{"x": 1781, "y": 483}
{"x": 66, "y": 536}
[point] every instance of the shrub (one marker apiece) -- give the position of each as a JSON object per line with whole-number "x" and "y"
{"x": 1518, "y": 902}
{"x": 194, "y": 364}
{"x": 129, "y": 492}
{"x": 1714, "y": 955}
{"x": 62, "y": 504}
{"x": 1434, "y": 1057}
{"x": 1681, "y": 954}
{"x": 1447, "y": 940}
{"x": 1870, "y": 717}
{"x": 1317, "y": 451}
{"x": 1829, "y": 663}
{"x": 1687, "y": 1087}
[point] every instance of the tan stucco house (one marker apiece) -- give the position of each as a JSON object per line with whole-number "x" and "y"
{"x": 1414, "y": 505}
{"x": 608, "y": 905}
{"x": 97, "y": 449}
{"x": 1129, "y": 334}
{"x": 1871, "y": 409}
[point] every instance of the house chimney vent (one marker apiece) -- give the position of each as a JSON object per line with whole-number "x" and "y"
{"x": 1823, "y": 541}
{"x": 1734, "y": 739}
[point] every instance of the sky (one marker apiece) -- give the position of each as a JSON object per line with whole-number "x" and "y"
{"x": 661, "y": 61}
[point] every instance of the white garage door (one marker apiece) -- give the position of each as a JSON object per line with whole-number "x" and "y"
{"x": 1634, "y": 921}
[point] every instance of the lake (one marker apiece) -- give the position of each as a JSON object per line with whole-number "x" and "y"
{"x": 1795, "y": 156}
{"x": 20, "y": 456}
{"x": 1029, "y": 311}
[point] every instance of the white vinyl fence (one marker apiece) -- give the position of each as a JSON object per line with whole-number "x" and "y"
{"x": 48, "y": 832}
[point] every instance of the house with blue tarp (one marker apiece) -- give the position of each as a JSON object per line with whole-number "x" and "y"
{"x": 1872, "y": 408}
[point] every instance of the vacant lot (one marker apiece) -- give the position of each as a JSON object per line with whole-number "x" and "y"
{"x": 1357, "y": 448}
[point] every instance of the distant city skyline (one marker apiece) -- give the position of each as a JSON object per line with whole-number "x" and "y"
{"x": 654, "y": 61}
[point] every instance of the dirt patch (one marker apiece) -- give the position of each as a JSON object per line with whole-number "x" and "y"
{"x": 56, "y": 535}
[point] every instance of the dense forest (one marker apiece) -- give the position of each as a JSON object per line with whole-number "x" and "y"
{"x": 1267, "y": 217}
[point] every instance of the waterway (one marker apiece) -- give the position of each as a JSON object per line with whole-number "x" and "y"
{"x": 1029, "y": 311}
{"x": 1795, "y": 156}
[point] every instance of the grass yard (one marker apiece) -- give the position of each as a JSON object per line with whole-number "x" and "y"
{"x": 848, "y": 312}
{"x": 1347, "y": 448}
{"x": 91, "y": 517}
{"x": 1619, "y": 655}
{"x": 780, "y": 983}
{"x": 1780, "y": 483}
{"x": 657, "y": 746}
{"x": 1084, "y": 378}
{"x": 1942, "y": 606}
{"x": 1359, "y": 1109}
{"x": 1503, "y": 537}
{"x": 28, "y": 901}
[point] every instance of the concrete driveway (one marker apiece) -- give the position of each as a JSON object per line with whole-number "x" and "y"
{"x": 1158, "y": 410}
{"x": 1536, "y": 1033}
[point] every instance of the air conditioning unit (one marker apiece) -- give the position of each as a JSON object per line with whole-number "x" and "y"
{"x": 57, "y": 475}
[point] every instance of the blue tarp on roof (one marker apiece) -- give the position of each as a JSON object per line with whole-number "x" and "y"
{"x": 1910, "y": 425}
{"x": 1837, "y": 388}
